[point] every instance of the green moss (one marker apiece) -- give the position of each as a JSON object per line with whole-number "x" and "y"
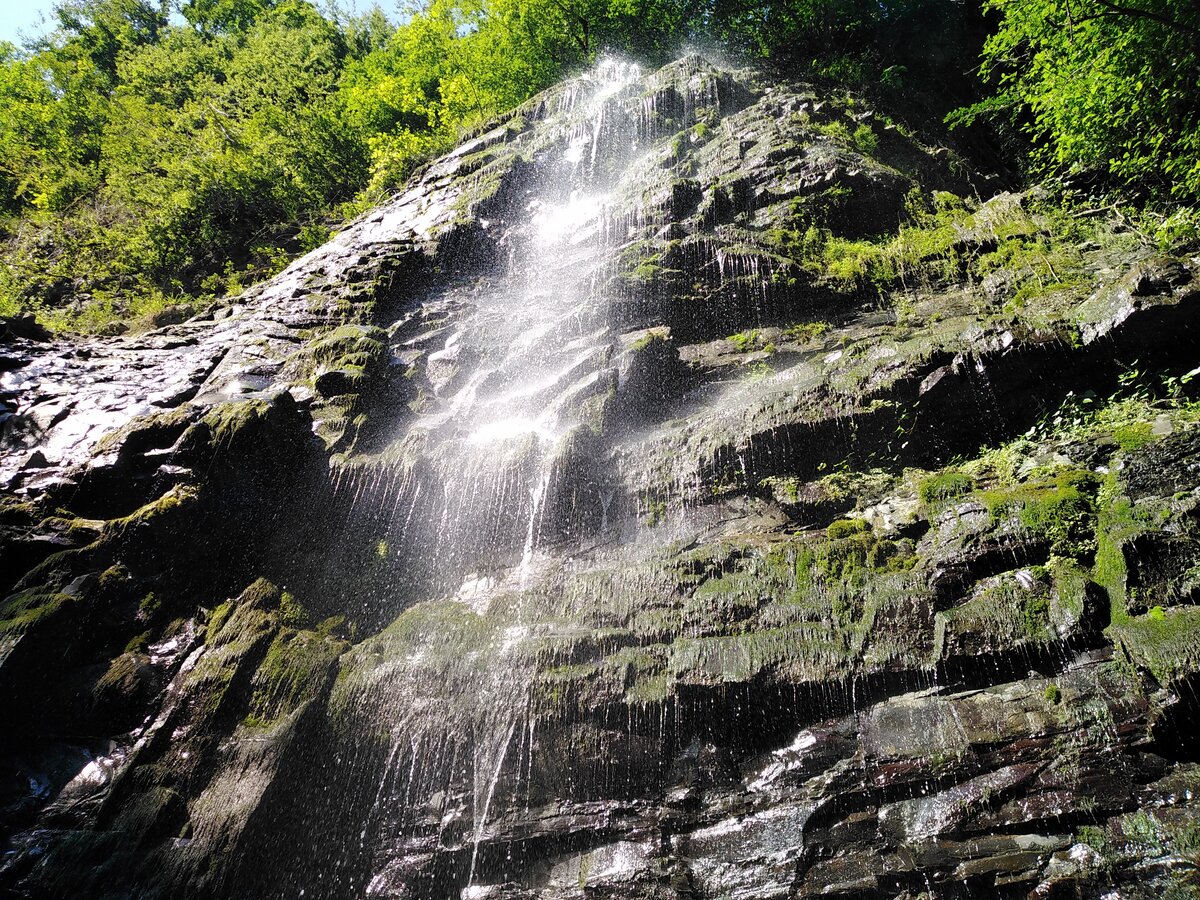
{"x": 336, "y": 626}
{"x": 216, "y": 620}
{"x": 1132, "y": 436}
{"x": 647, "y": 272}
{"x": 121, "y": 675}
{"x": 1062, "y": 510}
{"x": 291, "y": 612}
{"x": 355, "y": 350}
{"x": 852, "y": 551}
{"x": 138, "y": 643}
{"x": 653, "y": 337}
{"x": 1167, "y": 645}
{"x": 25, "y": 609}
{"x": 805, "y": 332}
{"x": 261, "y": 594}
{"x": 840, "y": 558}
{"x": 1035, "y": 611}
{"x": 149, "y": 606}
{"x": 891, "y": 556}
{"x": 230, "y": 651}
{"x": 745, "y": 340}
{"x": 945, "y": 486}
{"x": 1053, "y": 694}
{"x": 1119, "y": 522}
{"x": 785, "y": 489}
{"x": 292, "y": 672}
{"x": 114, "y": 576}
{"x": 161, "y": 512}
{"x": 650, "y": 689}
{"x": 227, "y": 419}
{"x": 1071, "y": 586}
{"x": 844, "y": 528}
{"x": 17, "y": 512}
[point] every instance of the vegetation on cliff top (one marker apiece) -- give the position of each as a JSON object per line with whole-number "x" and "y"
{"x": 146, "y": 161}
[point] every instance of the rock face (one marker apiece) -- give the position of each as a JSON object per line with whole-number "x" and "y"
{"x": 579, "y": 524}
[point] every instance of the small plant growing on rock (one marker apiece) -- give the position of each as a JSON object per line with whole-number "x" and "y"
{"x": 745, "y": 340}
{"x": 946, "y": 486}
{"x": 149, "y": 606}
{"x": 805, "y": 331}
{"x": 844, "y": 528}
{"x": 865, "y": 140}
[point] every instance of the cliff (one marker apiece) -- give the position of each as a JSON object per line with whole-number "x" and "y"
{"x": 689, "y": 487}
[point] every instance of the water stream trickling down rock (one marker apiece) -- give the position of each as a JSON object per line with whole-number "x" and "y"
{"x": 558, "y": 530}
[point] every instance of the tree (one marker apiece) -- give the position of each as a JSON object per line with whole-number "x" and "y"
{"x": 216, "y": 16}
{"x": 1103, "y": 86}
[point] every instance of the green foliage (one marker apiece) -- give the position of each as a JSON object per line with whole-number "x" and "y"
{"x": 1103, "y": 86}
{"x": 944, "y": 239}
{"x": 1053, "y": 694}
{"x": 144, "y": 163}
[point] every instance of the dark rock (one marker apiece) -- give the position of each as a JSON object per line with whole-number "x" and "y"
{"x": 170, "y": 315}
{"x": 1156, "y": 276}
{"x": 25, "y": 327}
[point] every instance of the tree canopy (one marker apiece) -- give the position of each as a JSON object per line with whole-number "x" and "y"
{"x": 1102, "y": 86}
{"x": 146, "y": 159}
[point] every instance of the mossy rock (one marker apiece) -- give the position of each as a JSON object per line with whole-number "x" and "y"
{"x": 444, "y": 636}
{"x": 945, "y": 486}
{"x": 155, "y": 521}
{"x": 1164, "y": 641}
{"x": 29, "y": 608}
{"x": 1062, "y": 510}
{"x": 295, "y": 670}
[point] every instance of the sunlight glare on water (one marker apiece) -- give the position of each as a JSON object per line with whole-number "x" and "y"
{"x": 557, "y": 222}
{"x": 506, "y": 429}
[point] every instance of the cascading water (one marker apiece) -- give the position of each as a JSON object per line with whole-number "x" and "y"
{"x": 512, "y": 375}
{"x": 624, "y": 579}
{"x": 466, "y": 505}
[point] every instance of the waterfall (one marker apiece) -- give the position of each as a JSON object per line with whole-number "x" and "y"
{"x": 465, "y": 508}
{"x": 529, "y": 347}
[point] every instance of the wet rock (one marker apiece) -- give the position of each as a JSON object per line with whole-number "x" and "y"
{"x": 1156, "y": 276}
